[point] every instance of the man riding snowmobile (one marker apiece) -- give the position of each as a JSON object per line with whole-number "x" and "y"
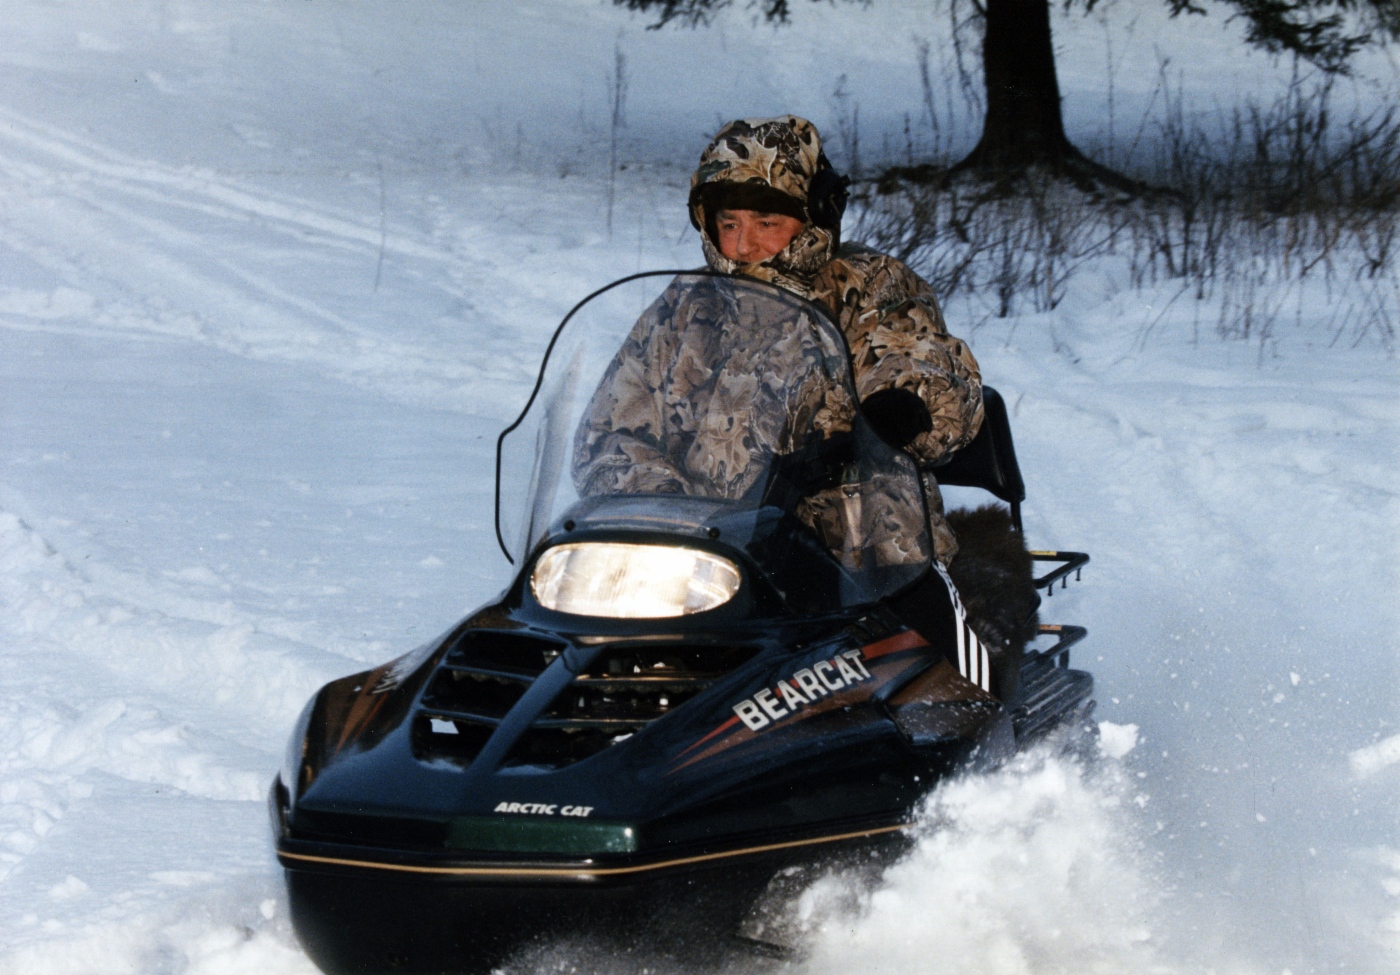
{"x": 731, "y": 648}
{"x": 675, "y": 415}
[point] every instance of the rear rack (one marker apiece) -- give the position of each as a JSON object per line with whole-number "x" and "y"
{"x": 1058, "y": 654}
{"x": 1068, "y": 562}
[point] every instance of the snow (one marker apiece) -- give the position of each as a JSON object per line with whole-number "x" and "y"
{"x": 1375, "y": 758}
{"x": 1040, "y": 820}
{"x": 273, "y": 276}
{"x": 1116, "y": 740}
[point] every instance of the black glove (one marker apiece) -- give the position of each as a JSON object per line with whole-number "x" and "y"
{"x": 816, "y": 466}
{"x": 896, "y": 415}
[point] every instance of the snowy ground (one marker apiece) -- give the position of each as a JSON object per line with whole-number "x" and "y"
{"x": 273, "y": 275}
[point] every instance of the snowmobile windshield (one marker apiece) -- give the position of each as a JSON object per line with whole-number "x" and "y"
{"x": 703, "y": 405}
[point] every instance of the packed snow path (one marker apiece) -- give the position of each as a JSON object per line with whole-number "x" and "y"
{"x": 260, "y": 322}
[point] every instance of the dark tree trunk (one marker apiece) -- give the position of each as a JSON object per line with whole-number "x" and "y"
{"x": 1023, "y": 124}
{"x": 1023, "y": 127}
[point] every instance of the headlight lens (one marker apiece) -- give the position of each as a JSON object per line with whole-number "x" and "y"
{"x": 625, "y": 581}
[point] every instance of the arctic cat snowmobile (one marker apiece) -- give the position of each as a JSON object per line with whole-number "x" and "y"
{"x": 680, "y": 694}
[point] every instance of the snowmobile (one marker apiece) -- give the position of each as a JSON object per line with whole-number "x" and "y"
{"x": 678, "y": 696}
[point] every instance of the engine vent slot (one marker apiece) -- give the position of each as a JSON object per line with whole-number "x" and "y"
{"x": 605, "y": 703}
{"x": 626, "y": 688}
{"x": 438, "y": 738}
{"x": 473, "y": 693}
{"x": 480, "y": 679}
{"x": 502, "y": 651}
{"x": 554, "y": 748}
{"x": 641, "y": 663}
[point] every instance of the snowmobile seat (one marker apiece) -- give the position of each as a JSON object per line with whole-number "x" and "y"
{"x": 989, "y": 461}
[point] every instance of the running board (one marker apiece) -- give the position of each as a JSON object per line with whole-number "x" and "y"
{"x": 1049, "y": 696}
{"x": 1050, "y": 691}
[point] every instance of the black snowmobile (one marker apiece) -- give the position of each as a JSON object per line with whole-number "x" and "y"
{"x": 679, "y": 695}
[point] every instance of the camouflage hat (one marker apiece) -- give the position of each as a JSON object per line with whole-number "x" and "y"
{"x": 765, "y": 164}
{"x": 767, "y": 159}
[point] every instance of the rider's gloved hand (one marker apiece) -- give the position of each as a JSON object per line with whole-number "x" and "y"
{"x": 818, "y": 465}
{"x": 896, "y": 415}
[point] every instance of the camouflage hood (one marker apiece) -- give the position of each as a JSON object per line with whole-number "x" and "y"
{"x": 778, "y": 155}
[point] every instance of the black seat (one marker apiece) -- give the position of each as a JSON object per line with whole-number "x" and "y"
{"x": 989, "y": 462}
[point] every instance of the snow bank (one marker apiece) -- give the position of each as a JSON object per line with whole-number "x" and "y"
{"x": 224, "y": 931}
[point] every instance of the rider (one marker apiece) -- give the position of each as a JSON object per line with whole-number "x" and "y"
{"x": 689, "y": 402}
{"x": 768, "y": 205}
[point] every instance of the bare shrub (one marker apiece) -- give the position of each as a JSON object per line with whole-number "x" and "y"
{"x": 1251, "y": 206}
{"x": 1276, "y": 195}
{"x": 1008, "y": 247}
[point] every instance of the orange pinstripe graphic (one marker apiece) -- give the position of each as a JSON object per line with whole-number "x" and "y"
{"x": 907, "y": 640}
{"x": 584, "y": 873}
{"x": 724, "y": 727}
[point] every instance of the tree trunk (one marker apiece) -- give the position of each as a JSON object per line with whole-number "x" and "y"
{"x": 1023, "y": 127}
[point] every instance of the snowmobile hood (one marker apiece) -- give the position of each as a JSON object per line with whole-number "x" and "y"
{"x": 515, "y": 740}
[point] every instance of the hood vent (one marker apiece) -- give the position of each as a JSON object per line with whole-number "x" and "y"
{"x": 478, "y": 682}
{"x": 506, "y": 652}
{"x": 626, "y": 688}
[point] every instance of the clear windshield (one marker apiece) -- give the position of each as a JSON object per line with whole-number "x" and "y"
{"x": 720, "y": 401}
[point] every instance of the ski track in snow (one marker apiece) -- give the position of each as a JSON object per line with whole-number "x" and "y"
{"x": 139, "y": 725}
{"x": 247, "y": 414}
{"x": 192, "y": 255}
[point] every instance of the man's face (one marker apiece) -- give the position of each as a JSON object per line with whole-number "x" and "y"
{"x": 750, "y": 236}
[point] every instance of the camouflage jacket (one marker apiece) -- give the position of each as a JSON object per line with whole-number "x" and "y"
{"x": 715, "y": 388}
{"x": 704, "y": 391}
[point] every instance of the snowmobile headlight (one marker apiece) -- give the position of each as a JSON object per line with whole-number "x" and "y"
{"x": 628, "y": 581}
